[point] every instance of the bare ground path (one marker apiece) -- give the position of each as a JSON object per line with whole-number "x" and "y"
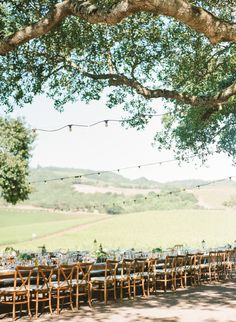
{"x": 207, "y": 303}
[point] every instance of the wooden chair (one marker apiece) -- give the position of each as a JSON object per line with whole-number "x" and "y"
{"x": 220, "y": 266}
{"x": 190, "y": 270}
{"x": 179, "y": 271}
{"x": 81, "y": 283}
{"x": 151, "y": 276}
{"x": 124, "y": 279}
{"x": 214, "y": 268}
{"x": 104, "y": 284}
{"x": 212, "y": 263}
{"x": 230, "y": 263}
{"x": 19, "y": 294}
{"x": 138, "y": 276}
{"x": 203, "y": 267}
{"x": 63, "y": 288}
{"x": 166, "y": 275}
{"x": 41, "y": 292}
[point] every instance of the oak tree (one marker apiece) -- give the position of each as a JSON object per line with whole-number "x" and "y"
{"x": 180, "y": 51}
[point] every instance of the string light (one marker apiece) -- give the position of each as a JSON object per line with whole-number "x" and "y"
{"x": 70, "y": 126}
{"x": 126, "y": 202}
{"x": 166, "y": 194}
{"x": 106, "y": 171}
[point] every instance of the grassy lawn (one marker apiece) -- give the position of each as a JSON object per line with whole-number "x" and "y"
{"x": 144, "y": 230}
{"x": 17, "y": 226}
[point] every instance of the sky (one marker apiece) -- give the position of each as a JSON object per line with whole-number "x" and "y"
{"x": 107, "y": 148}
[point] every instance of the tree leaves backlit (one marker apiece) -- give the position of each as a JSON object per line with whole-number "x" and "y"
{"x": 15, "y": 146}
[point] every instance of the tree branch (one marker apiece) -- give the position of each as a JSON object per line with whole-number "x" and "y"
{"x": 200, "y": 20}
{"x": 36, "y": 30}
{"x": 225, "y": 94}
{"x": 208, "y": 101}
{"x": 214, "y": 101}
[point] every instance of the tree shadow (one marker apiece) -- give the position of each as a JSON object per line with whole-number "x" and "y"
{"x": 162, "y": 307}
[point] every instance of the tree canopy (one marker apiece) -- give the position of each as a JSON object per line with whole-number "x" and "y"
{"x": 180, "y": 51}
{"x": 15, "y": 146}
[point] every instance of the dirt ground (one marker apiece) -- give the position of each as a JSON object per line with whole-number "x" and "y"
{"x": 208, "y": 303}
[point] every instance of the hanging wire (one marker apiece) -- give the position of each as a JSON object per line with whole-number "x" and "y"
{"x": 125, "y": 202}
{"x": 106, "y": 122}
{"x": 79, "y": 176}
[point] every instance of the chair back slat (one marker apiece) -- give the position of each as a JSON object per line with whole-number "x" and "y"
{"x": 83, "y": 271}
{"x": 139, "y": 266}
{"x": 190, "y": 260}
{"x": 127, "y": 267}
{"x": 44, "y": 276}
{"x": 111, "y": 269}
{"x": 170, "y": 263}
{"x": 23, "y": 274}
{"x": 200, "y": 259}
{"x": 152, "y": 266}
{"x": 180, "y": 262}
{"x": 212, "y": 258}
{"x": 65, "y": 275}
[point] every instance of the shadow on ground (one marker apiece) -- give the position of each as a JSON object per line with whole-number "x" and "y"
{"x": 192, "y": 304}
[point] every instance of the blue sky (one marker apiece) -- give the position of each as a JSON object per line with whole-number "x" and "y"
{"x": 105, "y": 148}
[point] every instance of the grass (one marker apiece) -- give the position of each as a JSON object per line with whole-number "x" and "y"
{"x": 143, "y": 230}
{"x": 19, "y": 225}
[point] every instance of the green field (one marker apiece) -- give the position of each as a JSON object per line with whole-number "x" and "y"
{"x": 21, "y": 226}
{"x": 143, "y": 230}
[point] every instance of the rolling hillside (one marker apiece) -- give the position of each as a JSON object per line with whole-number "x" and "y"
{"x": 113, "y": 194}
{"x": 109, "y": 192}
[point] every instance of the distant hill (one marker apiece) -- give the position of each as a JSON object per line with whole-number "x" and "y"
{"x": 104, "y": 179}
{"x": 108, "y": 178}
{"x": 113, "y": 193}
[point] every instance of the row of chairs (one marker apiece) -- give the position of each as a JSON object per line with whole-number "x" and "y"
{"x": 194, "y": 269}
{"x": 71, "y": 282}
{"x": 66, "y": 283}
